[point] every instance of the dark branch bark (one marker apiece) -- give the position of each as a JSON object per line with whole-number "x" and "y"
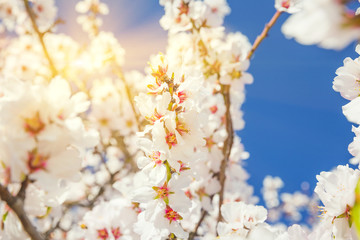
{"x": 22, "y": 192}
{"x": 194, "y": 233}
{"x": 17, "y": 205}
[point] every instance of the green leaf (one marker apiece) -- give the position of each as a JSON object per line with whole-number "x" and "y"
{"x": 5, "y": 215}
{"x": 355, "y": 211}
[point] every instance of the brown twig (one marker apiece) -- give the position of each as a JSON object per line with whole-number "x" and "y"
{"x": 51, "y": 230}
{"x": 225, "y": 91}
{"x": 90, "y": 204}
{"x": 264, "y": 33}
{"x": 118, "y": 71}
{"x": 41, "y": 37}
{"x": 22, "y": 192}
{"x": 129, "y": 160}
{"x": 194, "y": 233}
{"x": 17, "y": 205}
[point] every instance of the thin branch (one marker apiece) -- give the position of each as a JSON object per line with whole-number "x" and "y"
{"x": 96, "y": 151}
{"x": 225, "y": 91}
{"x": 194, "y": 233}
{"x": 41, "y": 37}
{"x": 120, "y": 74}
{"x": 51, "y": 230}
{"x": 129, "y": 160}
{"x": 22, "y": 191}
{"x": 17, "y": 205}
{"x": 264, "y": 33}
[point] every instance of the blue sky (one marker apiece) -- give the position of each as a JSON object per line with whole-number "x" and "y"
{"x": 294, "y": 124}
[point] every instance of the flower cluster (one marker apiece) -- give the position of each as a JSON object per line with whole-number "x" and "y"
{"x": 43, "y": 123}
{"x": 173, "y": 150}
{"x": 88, "y": 151}
{"x": 14, "y": 17}
{"x": 90, "y": 21}
{"x": 44, "y": 140}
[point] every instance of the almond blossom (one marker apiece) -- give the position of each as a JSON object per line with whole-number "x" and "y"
{"x": 323, "y": 22}
{"x": 86, "y": 159}
{"x": 336, "y": 190}
{"x": 51, "y": 139}
{"x": 290, "y": 6}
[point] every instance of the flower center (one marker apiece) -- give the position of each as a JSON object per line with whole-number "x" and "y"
{"x": 102, "y": 234}
{"x": 285, "y": 4}
{"x": 171, "y": 139}
{"x": 155, "y": 156}
{"x": 209, "y": 142}
{"x": 184, "y": 8}
{"x": 182, "y": 96}
{"x": 40, "y": 8}
{"x": 235, "y": 74}
{"x": 116, "y": 232}
{"x": 183, "y": 166}
{"x": 162, "y": 192}
{"x": 201, "y": 193}
{"x": 181, "y": 128}
{"x": 156, "y": 116}
{"x": 34, "y": 125}
{"x": 172, "y": 215}
{"x": 103, "y": 121}
{"x": 213, "y": 109}
{"x": 36, "y": 161}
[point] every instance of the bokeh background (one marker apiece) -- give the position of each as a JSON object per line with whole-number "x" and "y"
{"x": 294, "y": 123}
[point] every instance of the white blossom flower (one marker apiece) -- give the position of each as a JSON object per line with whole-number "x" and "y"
{"x": 336, "y": 190}
{"x": 354, "y": 147}
{"x": 110, "y": 220}
{"x": 321, "y": 22}
{"x": 240, "y": 218}
{"x": 347, "y": 80}
{"x": 216, "y": 10}
{"x": 271, "y": 186}
{"x": 293, "y": 203}
{"x": 352, "y": 111}
{"x": 92, "y": 5}
{"x": 45, "y": 12}
{"x": 42, "y": 123}
{"x": 290, "y": 6}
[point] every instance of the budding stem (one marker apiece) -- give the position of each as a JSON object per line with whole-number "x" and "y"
{"x": 41, "y": 37}
{"x": 264, "y": 33}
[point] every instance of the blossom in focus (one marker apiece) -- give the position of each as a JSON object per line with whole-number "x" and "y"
{"x": 347, "y": 80}
{"x": 240, "y": 218}
{"x": 336, "y": 190}
{"x": 110, "y": 220}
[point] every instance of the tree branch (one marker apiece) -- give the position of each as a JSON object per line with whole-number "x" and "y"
{"x": 17, "y": 205}
{"x": 120, "y": 74}
{"x": 129, "y": 160}
{"x": 264, "y": 33}
{"x": 193, "y": 234}
{"x": 41, "y": 37}
{"x": 22, "y": 192}
{"x": 225, "y": 91}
